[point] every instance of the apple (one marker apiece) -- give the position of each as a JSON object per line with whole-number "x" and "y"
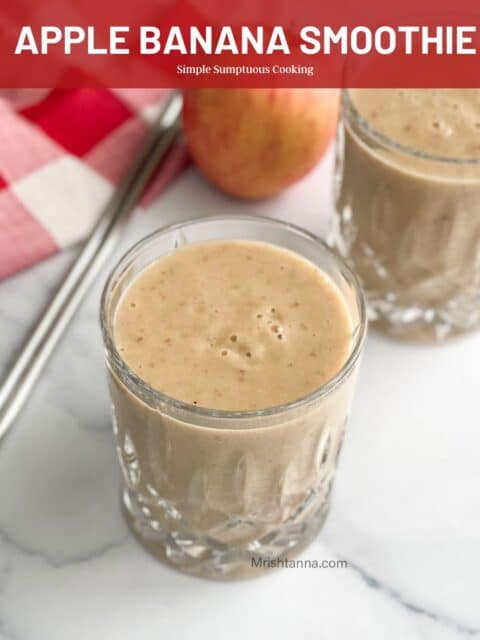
{"x": 252, "y": 143}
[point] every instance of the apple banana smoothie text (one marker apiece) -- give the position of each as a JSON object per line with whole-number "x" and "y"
{"x": 452, "y": 40}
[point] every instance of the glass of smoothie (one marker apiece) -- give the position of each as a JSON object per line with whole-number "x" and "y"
{"x": 232, "y": 346}
{"x": 408, "y": 207}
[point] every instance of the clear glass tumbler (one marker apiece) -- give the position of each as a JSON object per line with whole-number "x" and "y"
{"x": 409, "y": 224}
{"x": 216, "y": 493}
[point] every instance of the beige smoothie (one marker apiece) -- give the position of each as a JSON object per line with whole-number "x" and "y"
{"x": 230, "y": 326}
{"x": 408, "y": 206}
{"x": 233, "y": 325}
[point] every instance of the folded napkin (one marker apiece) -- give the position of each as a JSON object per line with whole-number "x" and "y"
{"x": 61, "y": 153}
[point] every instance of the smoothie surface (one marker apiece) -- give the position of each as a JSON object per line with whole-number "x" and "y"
{"x": 439, "y": 122}
{"x": 233, "y": 325}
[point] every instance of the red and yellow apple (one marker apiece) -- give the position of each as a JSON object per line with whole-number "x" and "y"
{"x": 252, "y": 143}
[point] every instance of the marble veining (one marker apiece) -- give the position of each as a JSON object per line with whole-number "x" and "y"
{"x": 406, "y": 502}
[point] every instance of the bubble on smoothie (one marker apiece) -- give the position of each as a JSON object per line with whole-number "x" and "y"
{"x": 442, "y": 127}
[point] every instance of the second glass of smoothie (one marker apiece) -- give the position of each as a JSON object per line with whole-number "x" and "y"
{"x": 232, "y": 346}
{"x": 408, "y": 207}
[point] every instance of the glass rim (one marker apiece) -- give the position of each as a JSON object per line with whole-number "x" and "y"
{"x": 367, "y": 128}
{"x": 135, "y": 384}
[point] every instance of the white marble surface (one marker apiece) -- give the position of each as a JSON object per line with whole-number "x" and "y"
{"x": 406, "y": 508}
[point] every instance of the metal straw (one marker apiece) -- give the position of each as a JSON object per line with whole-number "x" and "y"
{"x": 99, "y": 245}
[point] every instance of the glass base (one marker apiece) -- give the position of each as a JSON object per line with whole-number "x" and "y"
{"x": 404, "y": 314}
{"x": 208, "y": 557}
{"x": 422, "y": 324}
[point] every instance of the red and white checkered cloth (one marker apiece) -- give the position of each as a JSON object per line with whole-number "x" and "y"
{"x": 61, "y": 152}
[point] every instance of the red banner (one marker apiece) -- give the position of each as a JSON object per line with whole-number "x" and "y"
{"x": 289, "y": 43}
